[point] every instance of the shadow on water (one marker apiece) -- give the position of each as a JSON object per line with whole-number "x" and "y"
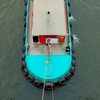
{"x": 84, "y": 85}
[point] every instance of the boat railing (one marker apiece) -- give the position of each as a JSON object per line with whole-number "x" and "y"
{"x": 69, "y": 32}
{"x": 26, "y": 40}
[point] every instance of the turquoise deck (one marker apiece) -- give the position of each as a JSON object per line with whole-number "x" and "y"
{"x": 59, "y": 66}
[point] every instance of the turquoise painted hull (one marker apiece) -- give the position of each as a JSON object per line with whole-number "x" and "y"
{"x": 59, "y": 65}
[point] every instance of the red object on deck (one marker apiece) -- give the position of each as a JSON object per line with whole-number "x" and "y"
{"x": 52, "y": 36}
{"x": 61, "y": 39}
{"x": 42, "y": 39}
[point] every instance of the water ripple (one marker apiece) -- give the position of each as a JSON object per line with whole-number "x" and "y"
{"x": 85, "y": 83}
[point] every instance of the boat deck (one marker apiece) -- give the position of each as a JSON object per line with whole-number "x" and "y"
{"x": 53, "y": 23}
{"x": 42, "y": 49}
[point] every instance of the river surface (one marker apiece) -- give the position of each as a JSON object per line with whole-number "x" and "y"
{"x": 84, "y": 85}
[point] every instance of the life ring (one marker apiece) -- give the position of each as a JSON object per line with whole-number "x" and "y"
{"x": 48, "y": 86}
{"x": 62, "y": 81}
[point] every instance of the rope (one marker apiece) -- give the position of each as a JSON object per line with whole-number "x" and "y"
{"x": 47, "y": 61}
{"x": 48, "y": 54}
{"x": 44, "y": 82}
{"x": 51, "y": 81}
{"x": 52, "y": 94}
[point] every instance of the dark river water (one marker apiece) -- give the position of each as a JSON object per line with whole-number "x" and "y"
{"x": 84, "y": 85}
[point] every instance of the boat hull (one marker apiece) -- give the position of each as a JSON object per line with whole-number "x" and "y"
{"x": 60, "y": 67}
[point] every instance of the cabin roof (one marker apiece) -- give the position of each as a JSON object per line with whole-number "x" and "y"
{"x": 48, "y": 24}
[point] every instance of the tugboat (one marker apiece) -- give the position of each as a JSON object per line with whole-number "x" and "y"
{"x": 48, "y": 58}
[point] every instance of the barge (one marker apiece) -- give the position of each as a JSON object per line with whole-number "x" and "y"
{"x": 48, "y": 57}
